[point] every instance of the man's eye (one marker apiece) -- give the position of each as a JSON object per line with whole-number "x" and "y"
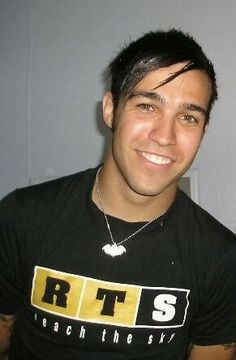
{"x": 189, "y": 119}
{"x": 146, "y": 107}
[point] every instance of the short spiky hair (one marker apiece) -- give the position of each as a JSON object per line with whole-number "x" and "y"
{"x": 153, "y": 51}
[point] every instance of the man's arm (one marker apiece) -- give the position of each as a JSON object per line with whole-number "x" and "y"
{"x": 6, "y": 327}
{"x": 213, "y": 352}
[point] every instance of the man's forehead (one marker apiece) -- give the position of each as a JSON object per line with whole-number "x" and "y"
{"x": 172, "y": 75}
{"x": 167, "y": 71}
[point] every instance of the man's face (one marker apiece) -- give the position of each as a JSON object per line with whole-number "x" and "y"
{"x": 158, "y": 129}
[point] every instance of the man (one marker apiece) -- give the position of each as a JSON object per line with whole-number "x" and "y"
{"x": 116, "y": 262}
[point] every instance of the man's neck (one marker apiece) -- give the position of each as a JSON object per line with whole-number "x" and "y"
{"x": 123, "y": 203}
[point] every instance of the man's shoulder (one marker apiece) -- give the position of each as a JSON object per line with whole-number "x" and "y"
{"x": 46, "y": 193}
{"x": 204, "y": 224}
{"x": 51, "y": 188}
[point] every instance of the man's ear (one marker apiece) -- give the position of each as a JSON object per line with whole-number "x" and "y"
{"x": 206, "y": 126}
{"x": 108, "y": 108}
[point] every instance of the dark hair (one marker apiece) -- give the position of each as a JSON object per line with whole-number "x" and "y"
{"x": 157, "y": 50}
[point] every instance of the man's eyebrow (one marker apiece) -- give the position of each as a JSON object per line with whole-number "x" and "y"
{"x": 147, "y": 94}
{"x": 194, "y": 107}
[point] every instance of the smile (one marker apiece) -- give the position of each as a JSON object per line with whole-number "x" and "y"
{"x": 156, "y": 159}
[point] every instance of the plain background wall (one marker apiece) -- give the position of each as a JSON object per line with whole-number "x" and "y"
{"x": 52, "y": 57}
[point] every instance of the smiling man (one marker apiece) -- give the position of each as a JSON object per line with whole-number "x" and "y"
{"x": 116, "y": 262}
{"x": 158, "y": 129}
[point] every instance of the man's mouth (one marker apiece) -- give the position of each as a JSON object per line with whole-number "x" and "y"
{"x": 156, "y": 159}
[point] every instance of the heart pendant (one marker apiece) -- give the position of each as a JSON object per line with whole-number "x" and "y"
{"x": 114, "y": 250}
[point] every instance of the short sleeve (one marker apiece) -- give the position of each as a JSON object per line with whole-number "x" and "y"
{"x": 12, "y": 236}
{"x": 215, "y": 322}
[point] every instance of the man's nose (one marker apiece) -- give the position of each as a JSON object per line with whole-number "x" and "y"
{"x": 163, "y": 130}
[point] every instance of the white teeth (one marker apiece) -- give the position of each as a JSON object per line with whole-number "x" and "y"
{"x": 159, "y": 160}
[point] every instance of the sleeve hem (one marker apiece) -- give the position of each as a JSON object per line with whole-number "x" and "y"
{"x": 214, "y": 341}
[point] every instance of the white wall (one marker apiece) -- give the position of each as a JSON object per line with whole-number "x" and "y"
{"x": 53, "y": 53}
{"x": 14, "y": 59}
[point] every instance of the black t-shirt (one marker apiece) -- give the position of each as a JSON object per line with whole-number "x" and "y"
{"x": 175, "y": 284}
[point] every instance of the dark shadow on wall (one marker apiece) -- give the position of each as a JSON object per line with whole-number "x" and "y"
{"x": 102, "y": 129}
{"x": 100, "y": 125}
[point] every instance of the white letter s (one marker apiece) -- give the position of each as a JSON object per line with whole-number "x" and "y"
{"x": 165, "y": 309}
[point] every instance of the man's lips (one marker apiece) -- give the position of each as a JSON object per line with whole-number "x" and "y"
{"x": 156, "y": 159}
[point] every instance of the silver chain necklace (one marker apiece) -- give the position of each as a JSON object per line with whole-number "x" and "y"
{"x": 116, "y": 248}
